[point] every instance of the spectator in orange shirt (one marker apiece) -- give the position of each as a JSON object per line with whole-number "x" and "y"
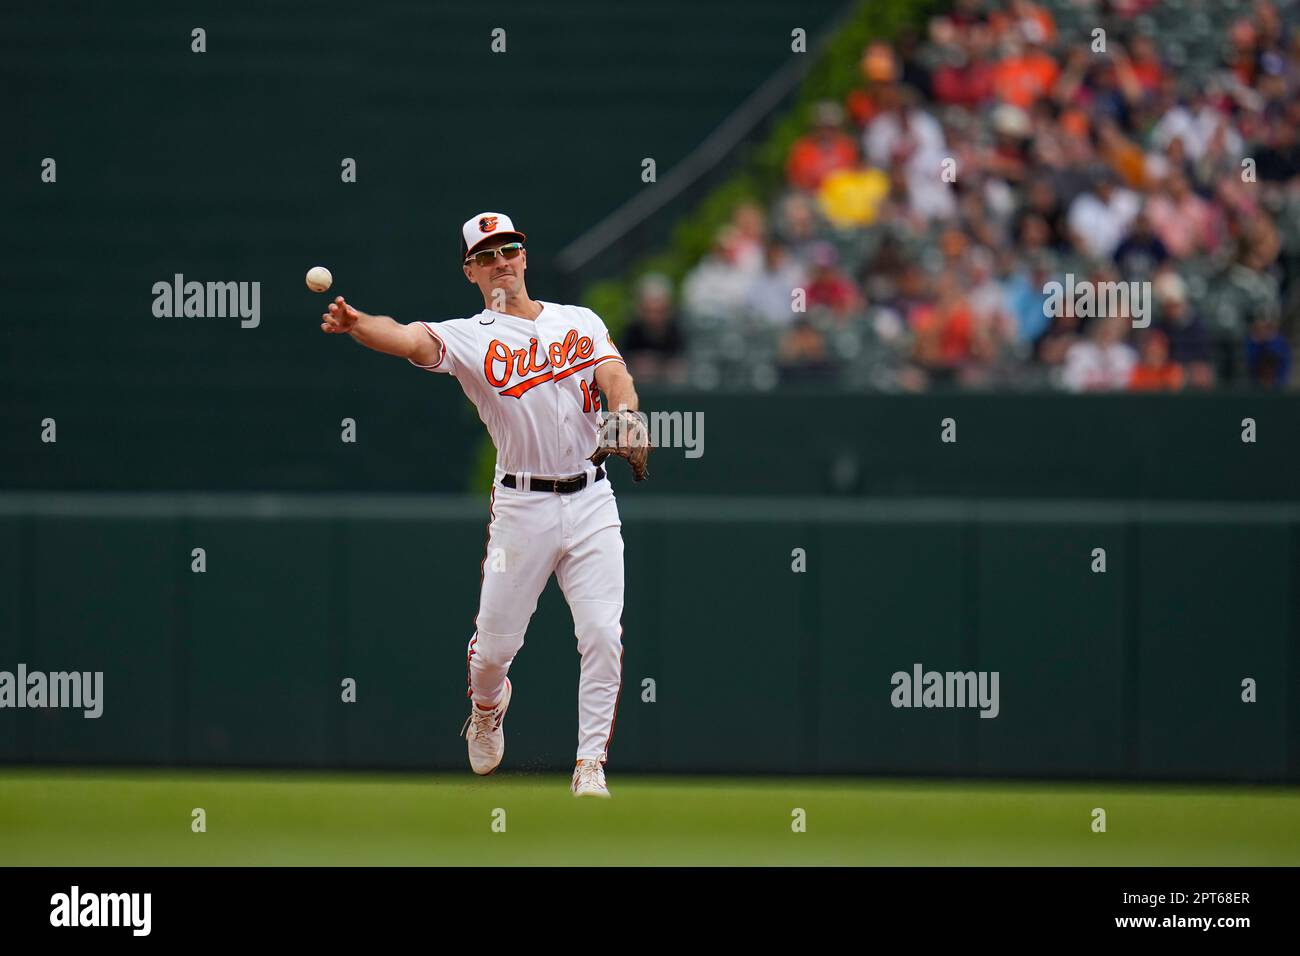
{"x": 1144, "y": 64}
{"x": 1123, "y": 155}
{"x": 823, "y": 151}
{"x": 879, "y": 68}
{"x": 944, "y": 329}
{"x": 1155, "y": 371}
{"x": 1025, "y": 73}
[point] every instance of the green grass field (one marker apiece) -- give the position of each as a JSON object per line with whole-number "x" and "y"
{"x": 97, "y": 817}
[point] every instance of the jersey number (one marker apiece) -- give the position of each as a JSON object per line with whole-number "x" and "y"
{"x": 590, "y": 396}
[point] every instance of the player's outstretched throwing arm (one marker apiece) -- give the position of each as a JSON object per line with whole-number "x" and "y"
{"x": 382, "y": 333}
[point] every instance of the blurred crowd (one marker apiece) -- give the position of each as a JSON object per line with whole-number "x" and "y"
{"x": 1014, "y": 144}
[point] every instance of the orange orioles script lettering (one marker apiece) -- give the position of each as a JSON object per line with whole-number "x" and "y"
{"x": 527, "y": 369}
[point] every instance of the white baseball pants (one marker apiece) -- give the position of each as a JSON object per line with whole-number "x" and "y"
{"x": 578, "y": 537}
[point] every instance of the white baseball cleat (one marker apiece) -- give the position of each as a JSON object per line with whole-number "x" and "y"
{"x": 487, "y": 741}
{"x": 589, "y": 779}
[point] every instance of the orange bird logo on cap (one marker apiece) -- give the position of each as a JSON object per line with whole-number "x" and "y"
{"x": 487, "y": 223}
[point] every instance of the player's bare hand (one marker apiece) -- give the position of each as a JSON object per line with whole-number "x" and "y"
{"x": 340, "y": 317}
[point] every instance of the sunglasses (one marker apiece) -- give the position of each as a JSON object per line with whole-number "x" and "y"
{"x": 486, "y": 257}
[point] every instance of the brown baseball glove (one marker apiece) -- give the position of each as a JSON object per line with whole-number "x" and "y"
{"x": 624, "y": 433}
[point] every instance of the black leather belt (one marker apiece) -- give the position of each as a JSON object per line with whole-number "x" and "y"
{"x": 560, "y": 486}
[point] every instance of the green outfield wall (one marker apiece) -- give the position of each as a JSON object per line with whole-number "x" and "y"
{"x": 756, "y": 666}
{"x": 420, "y": 434}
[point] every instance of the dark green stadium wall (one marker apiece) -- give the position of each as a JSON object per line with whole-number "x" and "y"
{"x": 1037, "y": 445}
{"x": 1135, "y": 672}
{"x": 428, "y": 438}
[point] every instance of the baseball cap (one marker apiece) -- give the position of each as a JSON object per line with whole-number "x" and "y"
{"x": 483, "y": 226}
{"x": 1170, "y": 287}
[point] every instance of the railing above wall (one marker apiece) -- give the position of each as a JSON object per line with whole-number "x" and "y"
{"x": 633, "y": 229}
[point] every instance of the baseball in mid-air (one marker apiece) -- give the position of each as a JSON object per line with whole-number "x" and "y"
{"x": 319, "y": 279}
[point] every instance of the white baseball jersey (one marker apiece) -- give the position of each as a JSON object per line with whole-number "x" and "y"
{"x": 532, "y": 381}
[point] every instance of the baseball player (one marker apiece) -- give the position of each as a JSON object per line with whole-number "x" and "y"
{"x": 539, "y": 374}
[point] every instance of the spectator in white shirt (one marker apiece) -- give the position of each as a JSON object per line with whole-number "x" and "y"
{"x": 1200, "y": 127}
{"x": 907, "y": 138}
{"x": 718, "y": 287}
{"x": 901, "y": 131}
{"x": 771, "y": 295}
{"x": 1100, "y": 218}
{"x": 1102, "y": 361}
